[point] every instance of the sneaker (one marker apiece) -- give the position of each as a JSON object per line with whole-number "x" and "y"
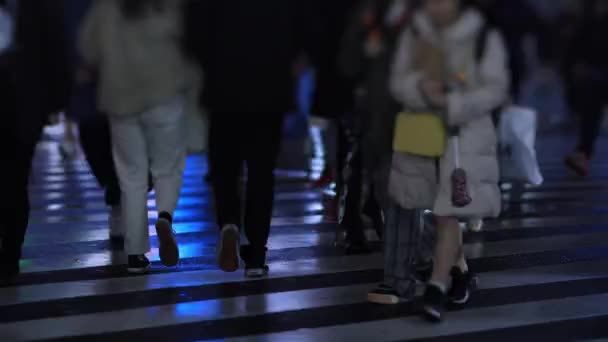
{"x": 257, "y": 272}
{"x": 168, "y": 250}
{"x": 475, "y": 225}
{"x": 462, "y": 285}
{"x": 255, "y": 263}
{"x": 433, "y": 303}
{"x": 460, "y": 191}
{"x": 228, "y": 249}
{"x": 138, "y": 264}
{"x": 385, "y": 295}
{"x": 579, "y": 163}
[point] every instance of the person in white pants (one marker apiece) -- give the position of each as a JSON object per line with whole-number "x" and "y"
{"x": 152, "y": 140}
{"x": 134, "y": 46}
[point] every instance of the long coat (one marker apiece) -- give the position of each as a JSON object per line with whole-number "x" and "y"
{"x": 417, "y": 182}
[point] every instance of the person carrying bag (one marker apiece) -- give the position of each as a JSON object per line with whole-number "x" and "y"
{"x": 445, "y": 141}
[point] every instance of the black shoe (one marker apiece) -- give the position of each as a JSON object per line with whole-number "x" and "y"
{"x": 138, "y": 264}
{"x": 462, "y": 285}
{"x": 387, "y": 295}
{"x": 434, "y": 303}
{"x": 255, "y": 263}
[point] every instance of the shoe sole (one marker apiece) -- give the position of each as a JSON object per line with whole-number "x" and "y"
{"x": 256, "y": 274}
{"x": 228, "y": 255}
{"x": 431, "y": 314}
{"x": 382, "y": 299}
{"x": 462, "y": 301}
{"x": 139, "y": 270}
{"x": 168, "y": 250}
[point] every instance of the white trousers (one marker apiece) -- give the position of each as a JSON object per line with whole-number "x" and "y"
{"x": 152, "y": 141}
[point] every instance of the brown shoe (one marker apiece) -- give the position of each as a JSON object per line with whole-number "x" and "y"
{"x": 579, "y": 163}
{"x": 228, "y": 249}
{"x": 168, "y": 250}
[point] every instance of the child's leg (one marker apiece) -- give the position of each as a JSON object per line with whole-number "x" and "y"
{"x": 448, "y": 250}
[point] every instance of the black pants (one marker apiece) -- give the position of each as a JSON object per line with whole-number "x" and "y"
{"x": 235, "y": 140}
{"x": 358, "y": 202}
{"x": 590, "y": 100}
{"x": 15, "y": 168}
{"x": 96, "y": 144}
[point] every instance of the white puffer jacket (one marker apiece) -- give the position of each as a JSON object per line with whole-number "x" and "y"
{"x": 416, "y": 182}
{"x": 140, "y": 62}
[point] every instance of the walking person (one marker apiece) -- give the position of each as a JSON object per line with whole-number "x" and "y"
{"x": 93, "y": 126}
{"x": 436, "y": 71}
{"x": 247, "y": 50}
{"x": 35, "y": 83}
{"x": 587, "y": 70}
{"x": 368, "y": 47}
{"x": 134, "y": 46}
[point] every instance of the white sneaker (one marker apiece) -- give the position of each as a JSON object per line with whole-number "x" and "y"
{"x": 228, "y": 248}
{"x": 475, "y": 225}
{"x": 115, "y": 223}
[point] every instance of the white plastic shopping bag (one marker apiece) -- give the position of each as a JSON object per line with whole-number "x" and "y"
{"x": 517, "y": 140}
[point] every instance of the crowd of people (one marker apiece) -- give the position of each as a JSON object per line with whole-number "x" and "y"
{"x": 123, "y": 71}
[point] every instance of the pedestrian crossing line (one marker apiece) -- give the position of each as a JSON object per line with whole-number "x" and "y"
{"x": 214, "y": 313}
{"x": 339, "y": 306}
{"x": 494, "y": 320}
{"x": 225, "y": 287}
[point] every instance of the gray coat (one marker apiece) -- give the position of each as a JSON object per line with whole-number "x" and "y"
{"x": 416, "y": 182}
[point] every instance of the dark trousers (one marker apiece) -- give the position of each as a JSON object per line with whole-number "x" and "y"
{"x": 590, "y": 100}
{"x": 358, "y": 199}
{"x": 95, "y": 140}
{"x": 15, "y": 169}
{"x": 250, "y": 139}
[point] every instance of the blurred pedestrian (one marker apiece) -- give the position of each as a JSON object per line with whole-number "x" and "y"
{"x": 35, "y": 83}
{"x": 93, "y": 126}
{"x": 247, "y": 50}
{"x": 333, "y": 101}
{"x": 134, "y": 46}
{"x": 368, "y": 47}
{"x": 587, "y": 70}
{"x": 436, "y": 70}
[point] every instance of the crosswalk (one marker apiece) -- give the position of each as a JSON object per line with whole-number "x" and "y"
{"x": 543, "y": 270}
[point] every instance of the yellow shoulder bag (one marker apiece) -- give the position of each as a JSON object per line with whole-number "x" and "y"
{"x": 421, "y": 134}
